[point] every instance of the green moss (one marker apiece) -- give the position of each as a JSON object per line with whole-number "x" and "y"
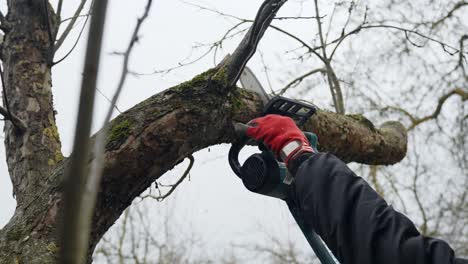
{"x": 221, "y": 76}
{"x": 118, "y": 133}
{"x": 53, "y": 248}
{"x": 196, "y": 81}
{"x": 236, "y": 102}
{"x": 51, "y": 162}
{"x": 51, "y": 132}
{"x": 58, "y": 156}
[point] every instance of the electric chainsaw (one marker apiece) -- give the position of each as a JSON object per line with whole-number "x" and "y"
{"x": 262, "y": 173}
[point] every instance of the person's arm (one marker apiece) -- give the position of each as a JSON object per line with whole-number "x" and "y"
{"x": 354, "y": 221}
{"x": 358, "y": 226}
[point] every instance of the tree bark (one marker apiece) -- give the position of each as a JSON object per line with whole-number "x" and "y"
{"x": 32, "y": 154}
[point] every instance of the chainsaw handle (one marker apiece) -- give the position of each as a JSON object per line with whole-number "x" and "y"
{"x": 233, "y": 156}
{"x": 241, "y": 132}
{"x": 240, "y": 129}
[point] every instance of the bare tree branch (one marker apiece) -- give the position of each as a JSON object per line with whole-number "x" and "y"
{"x": 300, "y": 79}
{"x": 70, "y": 25}
{"x": 333, "y": 82}
{"x": 248, "y": 46}
{"x": 458, "y": 91}
{"x": 94, "y": 178}
{"x": 70, "y": 18}
{"x": 76, "y": 42}
{"x": 457, "y": 6}
{"x": 174, "y": 186}
{"x": 77, "y": 215}
{"x": 415, "y": 121}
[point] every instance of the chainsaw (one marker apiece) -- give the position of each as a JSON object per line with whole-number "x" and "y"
{"x": 262, "y": 173}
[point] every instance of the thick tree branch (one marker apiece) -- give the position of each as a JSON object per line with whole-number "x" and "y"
{"x": 157, "y": 134}
{"x": 248, "y": 46}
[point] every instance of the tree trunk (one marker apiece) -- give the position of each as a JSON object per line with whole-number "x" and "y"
{"x": 144, "y": 142}
{"x": 32, "y": 154}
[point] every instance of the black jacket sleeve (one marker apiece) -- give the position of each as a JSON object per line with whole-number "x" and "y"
{"x": 358, "y": 226}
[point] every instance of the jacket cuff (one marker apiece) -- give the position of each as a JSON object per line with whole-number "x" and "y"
{"x": 294, "y": 164}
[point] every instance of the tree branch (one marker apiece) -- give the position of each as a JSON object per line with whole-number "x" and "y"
{"x": 59, "y": 8}
{"x": 415, "y": 121}
{"x": 457, "y": 6}
{"x": 335, "y": 87}
{"x": 78, "y": 213}
{"x": 75, "y": 44}
{"x": 300, "y": 79}
{"x": 161, "y": 198}
{"x": 97, "y": 165}
{"x": 458, "y": 91}
{"x": 70, "y": 25}
{"x": 2, "y": 18}
{"x": 248, "y": 46}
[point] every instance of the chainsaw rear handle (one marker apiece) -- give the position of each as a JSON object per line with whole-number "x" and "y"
{"x": 240, "y": 129}
{"x": 233, "y": 157}
{"x": 243, "y": 140}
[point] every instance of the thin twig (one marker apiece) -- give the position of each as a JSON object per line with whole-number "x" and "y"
{"x": 78, "y": 214}
{"x": 70, "y": 25}
{"x": 70, "y": 18}
{"x": 333, "y": 82}
{"x": 77, "y": 39}
{"x": 97, "y": 164}
{"x": 108, "y": 100}
{"x": 300, "y": 78}
{"x": 174, "y": 186}
{"x": 309, "y": 48}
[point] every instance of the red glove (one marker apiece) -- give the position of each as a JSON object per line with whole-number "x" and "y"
{"x": 281, "y": 135}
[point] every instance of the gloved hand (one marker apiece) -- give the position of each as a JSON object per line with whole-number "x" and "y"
{"x": 281, "y": 135}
